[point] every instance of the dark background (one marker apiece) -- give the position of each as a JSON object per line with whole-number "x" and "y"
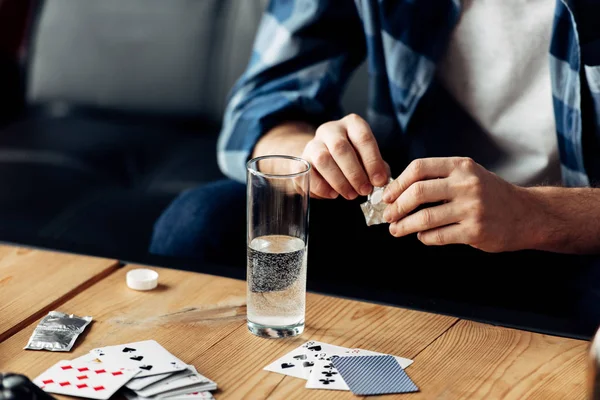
{"x": 122, "y": 104}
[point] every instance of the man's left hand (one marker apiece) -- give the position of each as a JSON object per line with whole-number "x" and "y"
{"x": 476, "y": 207}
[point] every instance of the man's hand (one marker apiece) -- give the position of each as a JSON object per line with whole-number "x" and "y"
{"x": 345, "y": 158}
{"x": 476, "y": 206}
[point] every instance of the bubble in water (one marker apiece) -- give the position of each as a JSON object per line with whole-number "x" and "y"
{"x": 276, "y": 280}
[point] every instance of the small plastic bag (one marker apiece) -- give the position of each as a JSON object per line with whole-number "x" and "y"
{"x": 374, "y": 207}
{"x": 57, "y": 331}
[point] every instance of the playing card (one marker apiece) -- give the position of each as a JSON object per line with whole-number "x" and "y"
{"x": 373, "y": 374}
{"x": 201, "y": 387}
{"x": 299, "y": 362}
{"x": 84, "y": 379}
{"x": 404, "y": 362}
{"x": 148, "y": 356}
{"x": 187, "y": 378}
{"x": 140, "y": 383}
{"x": 192, "y": 396}
{"x": 325, "y": 376}
{"x": 88, "y": 357}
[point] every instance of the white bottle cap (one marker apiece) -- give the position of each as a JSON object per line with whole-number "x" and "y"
{"x": 142, "y": 279}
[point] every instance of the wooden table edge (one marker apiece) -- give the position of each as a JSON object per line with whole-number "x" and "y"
{"x": 60, "y": 301}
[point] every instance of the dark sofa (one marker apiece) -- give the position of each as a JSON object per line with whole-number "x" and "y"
{"x": 123, "y": 101}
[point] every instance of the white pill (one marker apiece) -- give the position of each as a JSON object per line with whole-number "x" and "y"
{"x": 377, "y": 197}
{"x": 142, "y": 279}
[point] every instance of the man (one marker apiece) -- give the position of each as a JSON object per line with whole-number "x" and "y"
{"x": 483, "y": 112}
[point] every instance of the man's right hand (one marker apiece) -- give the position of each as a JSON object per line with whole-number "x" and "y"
{"x": 345, "y": 158}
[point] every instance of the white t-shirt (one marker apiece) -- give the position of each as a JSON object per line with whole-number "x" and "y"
{"x": 497, "y": 68}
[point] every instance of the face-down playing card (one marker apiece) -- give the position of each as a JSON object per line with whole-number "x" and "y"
{"x": 373, "y": 374}
{"x": 85, "y": 379}
{"x": 188, "y": 378}
{"x": 149, "y": 357}
{"x": 325, "y": 376}
{"x": 300, "y": 361}
{"x": 201, "y": 387}
{"x": 190, "y": 396}
{"x": 193, "y": 396}
{"x": 141, "y": 383}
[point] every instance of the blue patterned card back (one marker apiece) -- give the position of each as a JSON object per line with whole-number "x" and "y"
{"x": 370, "y": 375}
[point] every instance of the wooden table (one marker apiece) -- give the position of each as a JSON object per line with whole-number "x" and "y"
{"x": 33, "y": 282}
{"x": 201, "y": 319}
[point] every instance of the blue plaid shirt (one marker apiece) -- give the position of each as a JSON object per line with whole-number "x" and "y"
{"x": 306, "y": 50}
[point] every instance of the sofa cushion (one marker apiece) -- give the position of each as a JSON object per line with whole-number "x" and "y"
{"x": 176, "y": 57}
{"x": 138, "y": 55}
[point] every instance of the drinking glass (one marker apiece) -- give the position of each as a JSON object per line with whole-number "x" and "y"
{"x": 277, "y": 243}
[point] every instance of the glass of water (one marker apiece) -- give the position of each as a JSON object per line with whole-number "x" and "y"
{"x": 277, "y": 239}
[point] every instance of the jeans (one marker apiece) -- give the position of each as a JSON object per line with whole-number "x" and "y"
{"x": 208, "y": 224}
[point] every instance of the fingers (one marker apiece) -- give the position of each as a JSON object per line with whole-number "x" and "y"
{"x": 451, "y": 234}
{"x": 346, "y": 156}
{"x": 326, "y": 166}
{"x": 343, "y": 154}
{"x": 425, "y": 220}
{"x": 422, "y": 192}
{"x": 319, "y": 188}
{"x": 363, "y": 140}
{"x": 418, "y": 170}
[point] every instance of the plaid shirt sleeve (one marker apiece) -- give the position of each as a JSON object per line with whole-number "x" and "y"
{"x": 303, "y": 54}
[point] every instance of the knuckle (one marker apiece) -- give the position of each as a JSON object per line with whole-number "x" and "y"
{"x": 363, "y": 137}
{"x": 309, "y": 147}
{"x": 416, "y": 166}
{"x": 353, "y": 118}
{"x": 393, "y": 188}
{"x": 340, "y": 146}
{"x": 372, "y": 163}
{"x": 418, "y": 191}
{"x": 323, "y": 128}
{"x": 357, "y": 176}
{"x": 321, "y": 157}
{"x": 467, "y": 164}
{"x": 314, "y": 144}
{"x": 438, "y": 236}
{"x": 426, "y": 217}
{"x": 398, "y": 205}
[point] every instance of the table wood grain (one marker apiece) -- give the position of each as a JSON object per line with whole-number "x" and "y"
{"x": 33, "y": 282}
{"x": 201, "y": 319}
{"x": 479, "y": 361}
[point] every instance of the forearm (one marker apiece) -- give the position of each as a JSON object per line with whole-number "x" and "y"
{"x": 565, "y": 220}
{"x": 289, "y": 139}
